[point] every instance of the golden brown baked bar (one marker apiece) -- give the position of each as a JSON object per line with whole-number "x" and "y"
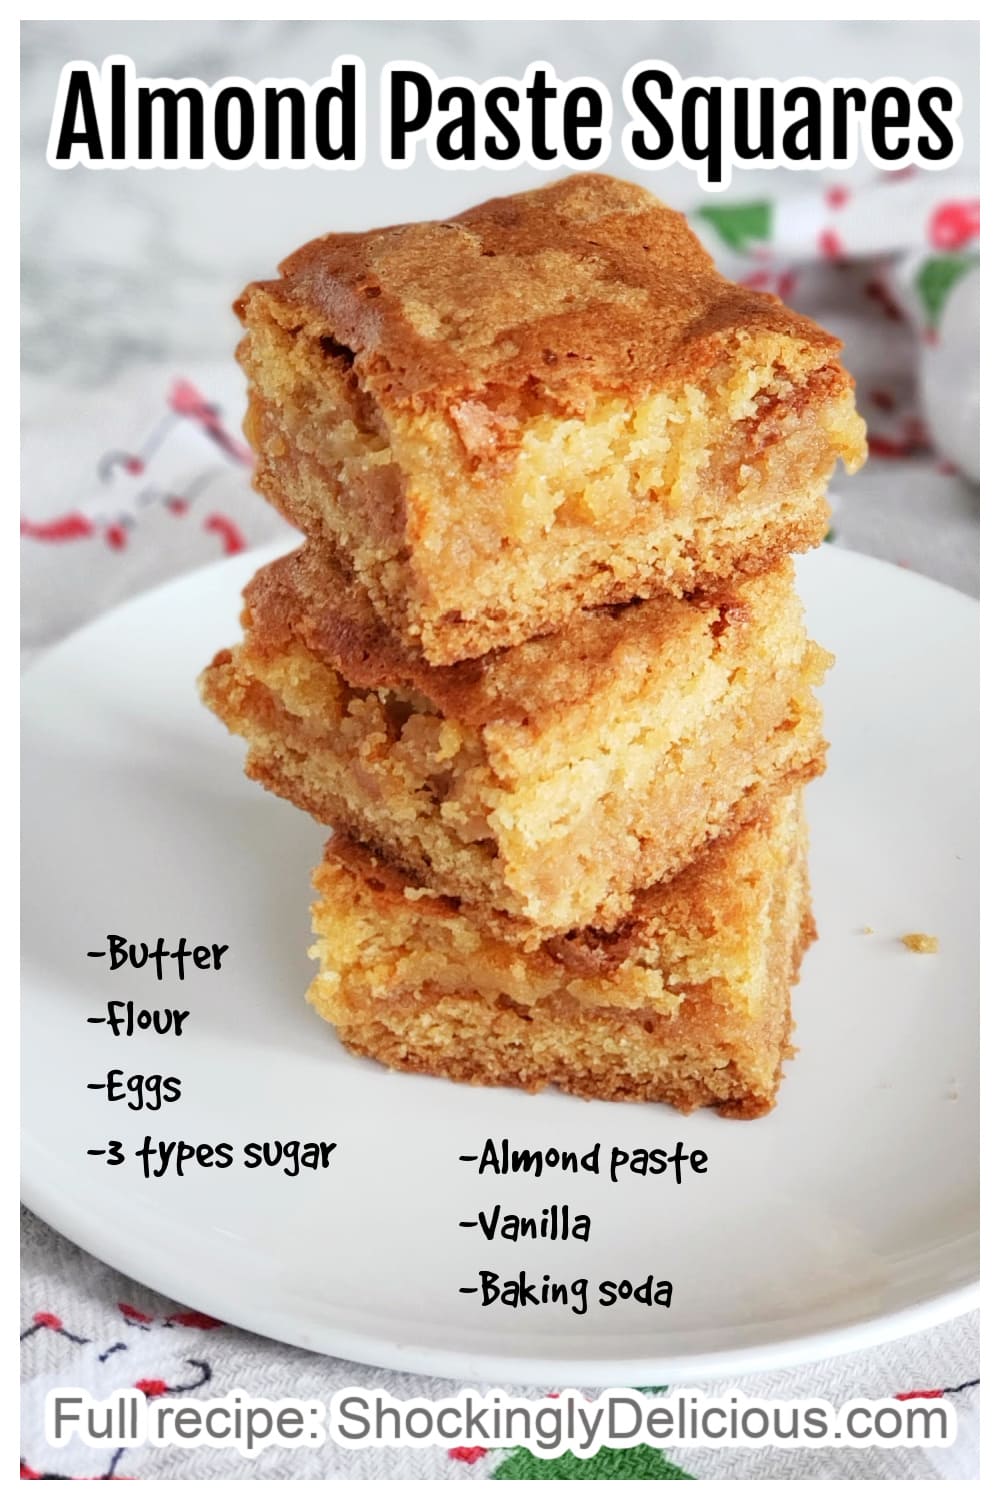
{"x": 687, "y": 1004}
{"x": 548, "y": 781}
{"x": 549, "y": 402}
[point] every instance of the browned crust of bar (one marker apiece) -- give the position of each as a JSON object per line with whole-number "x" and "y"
{"x": 535, "y": 301}
{"x": 307, "y": 598}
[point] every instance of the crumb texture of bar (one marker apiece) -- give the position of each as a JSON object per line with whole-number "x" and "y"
{"x": 550, "y": 402}
{"x": 550, "y": 781}
{"x": 688, "y": 1003}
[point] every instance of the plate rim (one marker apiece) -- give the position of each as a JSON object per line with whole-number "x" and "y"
{"x": 133, "y": 1260}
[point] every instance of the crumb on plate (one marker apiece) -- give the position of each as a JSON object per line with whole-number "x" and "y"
{"x": 920, "y": 942}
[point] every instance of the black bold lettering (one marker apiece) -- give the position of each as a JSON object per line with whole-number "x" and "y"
{"x": 273, "y": 100}
{"x": 582, "y": 112}
{"x": 223, "y": 116}
{"x": 940, "y": 131}
{"x": 810, "y": 129}
{"x": 346, "y": 94}
{"x": 662, "y": 144}
{"x": 890, "y": 110}
{"x": 402, "y": 120}
{"x": 505, "y": 147}
{"x": 169, "y": 99}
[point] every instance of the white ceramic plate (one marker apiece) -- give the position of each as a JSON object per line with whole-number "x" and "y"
{"x": 846, "y": 1217}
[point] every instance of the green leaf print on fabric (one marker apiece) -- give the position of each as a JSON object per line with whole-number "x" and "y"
{"x": 740, "y": 224}
{"x": 935, "y": 280}
{"x": 608, "y": 1463}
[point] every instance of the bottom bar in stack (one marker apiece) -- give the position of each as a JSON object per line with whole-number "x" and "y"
{"x": 687, "y": 1003}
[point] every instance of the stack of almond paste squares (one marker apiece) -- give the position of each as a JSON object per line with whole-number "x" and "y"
{"x": 540, "y": 666}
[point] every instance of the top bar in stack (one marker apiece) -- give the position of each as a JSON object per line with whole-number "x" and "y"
{"x": 549, "y": 402}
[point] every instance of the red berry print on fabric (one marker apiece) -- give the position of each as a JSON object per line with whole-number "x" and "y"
{"x": 67, "y": 528}
{"x": 152, "y": 1387}
{"x": 954, "y": 224}
{"x": 133, "y": 1314}
{"x": 128, "y": 502}
{"x": 229, "y": 533}
{"x": 830, "y": 245}
{"x": 193, "y": 1320}
{"x": 187, "y": 401}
